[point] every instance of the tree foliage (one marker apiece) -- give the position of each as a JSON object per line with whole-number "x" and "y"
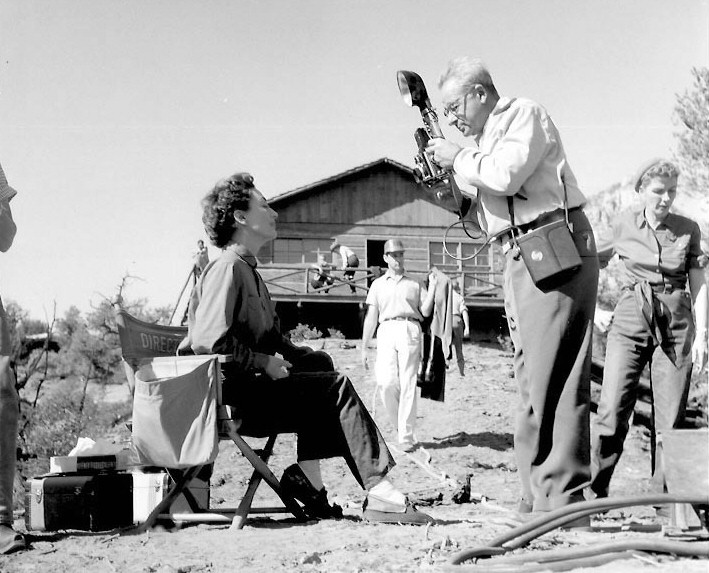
{"x": 692, "y": 154}
{"x": 56, "y": 364}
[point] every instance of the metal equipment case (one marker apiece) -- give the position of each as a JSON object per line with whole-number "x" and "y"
{"x": 92, "y": 502}
{"x": 149, "y": 488}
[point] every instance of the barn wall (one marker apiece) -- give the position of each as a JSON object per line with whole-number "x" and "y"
{"x": 382, "y": 197}
{"x": 379, "y": 204}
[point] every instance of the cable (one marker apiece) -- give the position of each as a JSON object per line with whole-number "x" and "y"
{"x": 572, "y": 558}
{"x": 521, "y": 535}
{"x": 475, "y": 236}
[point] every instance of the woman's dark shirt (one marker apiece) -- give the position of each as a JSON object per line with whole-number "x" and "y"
{"x": 231, "y": 312}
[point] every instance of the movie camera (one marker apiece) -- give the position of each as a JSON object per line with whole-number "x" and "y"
{"x": 413, "y": 91}
{"x": 427, "y": 171}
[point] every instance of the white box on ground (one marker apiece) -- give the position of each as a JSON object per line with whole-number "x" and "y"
{"x": 149, "y": 489}
{"x": 74, "y": 464}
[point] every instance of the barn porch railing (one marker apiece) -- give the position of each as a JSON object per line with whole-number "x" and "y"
{"x": 293, "y": 282}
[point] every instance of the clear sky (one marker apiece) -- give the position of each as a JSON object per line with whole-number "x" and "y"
{"x": 117, "y": 116}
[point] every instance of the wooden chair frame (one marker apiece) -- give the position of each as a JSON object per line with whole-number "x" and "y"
{"x": 141, "y": 341}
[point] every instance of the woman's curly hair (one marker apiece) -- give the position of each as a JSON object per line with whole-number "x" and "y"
{"x": 661, "y": 168}
{"x": 228, "y": 195}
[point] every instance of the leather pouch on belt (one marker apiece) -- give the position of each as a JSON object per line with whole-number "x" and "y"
{"x": 549, "y": 253}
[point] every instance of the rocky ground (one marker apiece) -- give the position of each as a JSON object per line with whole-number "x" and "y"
{"x": 470, "y": 438}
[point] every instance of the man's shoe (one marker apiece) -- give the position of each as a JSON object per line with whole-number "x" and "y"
{"x": 517, "y": 518}
{"x": 295, "y": 483}
{"x": 410, "y": 516}
{"x": 663, "y": 511}
{"x": 10, "y": 540}
{"x": 524, "y": 506}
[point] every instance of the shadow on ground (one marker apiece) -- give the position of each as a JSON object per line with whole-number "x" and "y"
{"x": 495, "y": 441}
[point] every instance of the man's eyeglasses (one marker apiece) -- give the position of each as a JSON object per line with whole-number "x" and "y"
{"x": 454, "y": 108}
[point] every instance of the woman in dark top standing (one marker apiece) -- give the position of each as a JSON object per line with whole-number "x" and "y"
{"x": 275, "y": 385}
{"x": 662, "y": 283}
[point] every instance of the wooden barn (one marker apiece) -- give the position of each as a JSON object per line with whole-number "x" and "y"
{"x": 362, "y": 208}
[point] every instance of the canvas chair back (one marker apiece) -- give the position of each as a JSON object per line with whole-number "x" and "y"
{"x": 140, "y": 339}
{"x": 175, "y": 411}
{"x": 175, "y": 398}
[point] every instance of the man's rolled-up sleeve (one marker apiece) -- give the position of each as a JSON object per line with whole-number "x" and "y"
{"x": 696, "y": 258}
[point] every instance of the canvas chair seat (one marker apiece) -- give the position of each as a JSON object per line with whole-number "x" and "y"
{"x": 178, "y": 420}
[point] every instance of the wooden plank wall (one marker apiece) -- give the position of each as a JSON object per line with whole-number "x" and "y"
{"x": 379, "y": 204}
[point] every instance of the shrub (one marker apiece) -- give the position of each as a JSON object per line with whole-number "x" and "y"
{"x": 698, "y": 399}
{"x": 54, "y": 425}
{"x": 304, "y": 332}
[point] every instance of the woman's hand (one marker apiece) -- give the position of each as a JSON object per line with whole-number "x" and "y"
{"x": 699, "y": 351}
{"x": 277, "y": 368}
{"x": 602, "y": 319}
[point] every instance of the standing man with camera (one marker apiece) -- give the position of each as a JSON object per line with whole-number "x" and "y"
{"x": 10, "y": 540}
{"x": 517, "y": 162}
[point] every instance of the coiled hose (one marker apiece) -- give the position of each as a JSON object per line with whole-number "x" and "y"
{"x": 597, "y": 554}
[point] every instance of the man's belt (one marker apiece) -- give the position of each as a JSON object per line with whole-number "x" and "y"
{"x": 543, "y": 219}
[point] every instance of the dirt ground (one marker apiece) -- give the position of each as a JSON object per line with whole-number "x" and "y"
{"x": 468, "y": 436}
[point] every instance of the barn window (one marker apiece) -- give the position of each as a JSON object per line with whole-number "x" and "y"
{"x": 297, "y": 251}
{"x": 475, "y": 271}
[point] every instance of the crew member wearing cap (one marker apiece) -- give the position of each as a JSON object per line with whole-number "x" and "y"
{"x": 659, "y": 259}
{"x": 517, "y": 162}
{"x": 10, "y": 540}
{"x": 350, "y": 261}
{"x": 396, "y": 305}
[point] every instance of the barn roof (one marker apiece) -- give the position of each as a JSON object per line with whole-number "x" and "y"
{"x": 303, "y": 192}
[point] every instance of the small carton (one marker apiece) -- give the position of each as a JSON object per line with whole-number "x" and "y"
{"x": 76, "y": 464}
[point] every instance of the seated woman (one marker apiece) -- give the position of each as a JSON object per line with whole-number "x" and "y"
{"x": 662, "y": 283}
{"x": 274, "y": 385}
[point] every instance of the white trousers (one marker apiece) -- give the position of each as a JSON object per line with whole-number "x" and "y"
{"x": 399, "y": 347}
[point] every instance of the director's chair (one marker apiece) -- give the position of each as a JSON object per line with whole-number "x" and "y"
{"x": 178, "y": 420}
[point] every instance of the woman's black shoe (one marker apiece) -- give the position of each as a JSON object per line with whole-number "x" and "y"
{"x": 296, "y": 484}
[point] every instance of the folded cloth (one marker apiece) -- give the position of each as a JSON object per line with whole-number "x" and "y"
{"x": 385, "y": 497}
